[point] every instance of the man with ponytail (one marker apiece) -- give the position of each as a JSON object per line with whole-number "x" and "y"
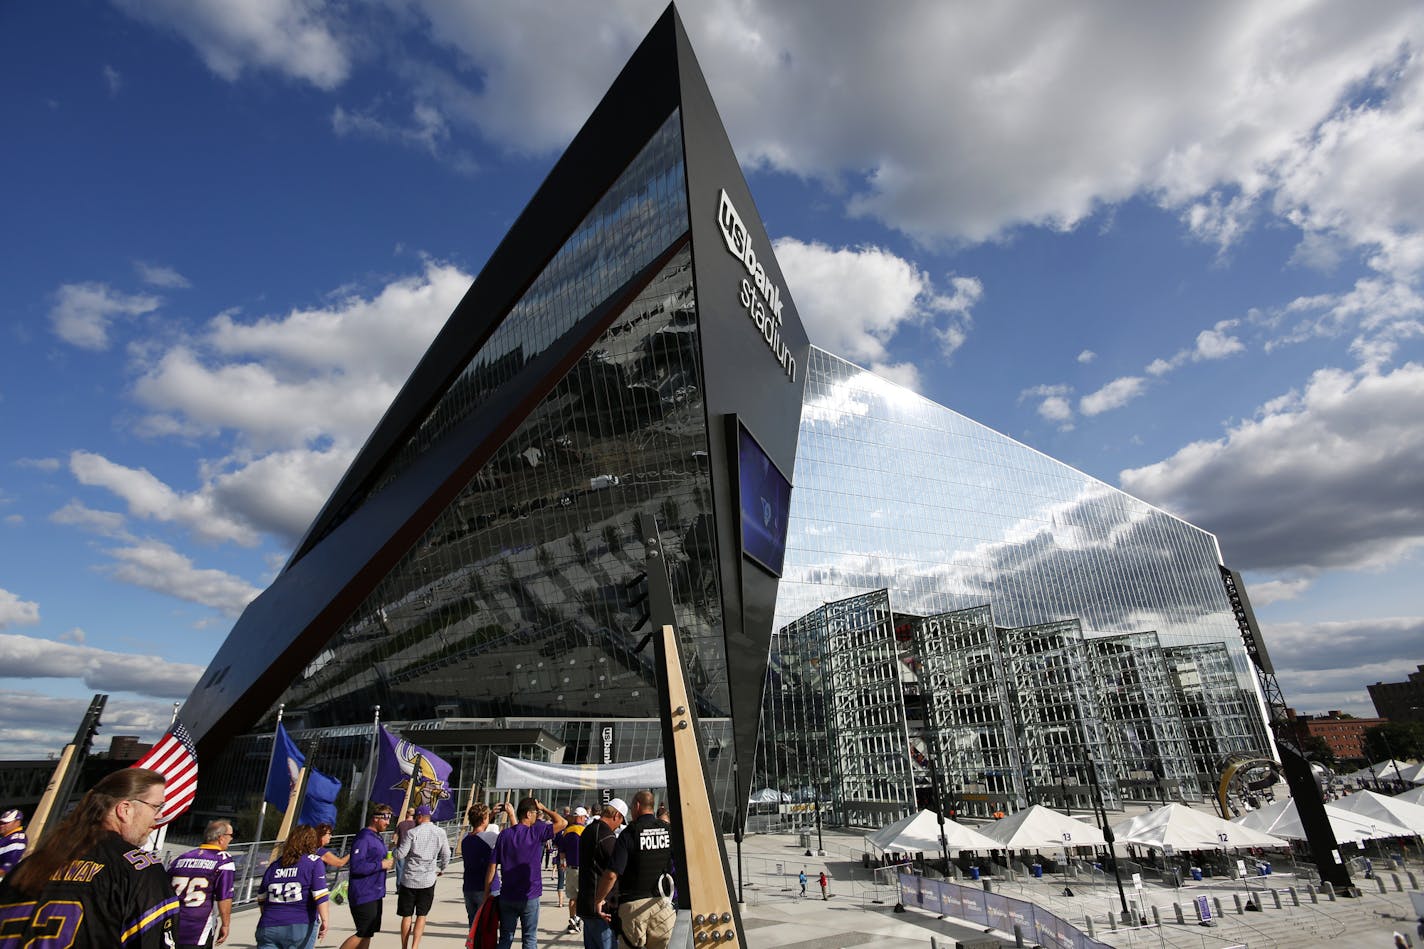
{"x": 90, "y": 884}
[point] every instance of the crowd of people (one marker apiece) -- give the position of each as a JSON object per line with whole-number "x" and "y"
{"x": 92, "y": 882}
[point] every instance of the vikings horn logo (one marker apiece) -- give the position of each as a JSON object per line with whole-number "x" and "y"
{"x": 428, "y": 788}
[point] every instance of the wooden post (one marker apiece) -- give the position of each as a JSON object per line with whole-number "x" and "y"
{"x": 37, "y": 822}
{"x": 290, "y": 816}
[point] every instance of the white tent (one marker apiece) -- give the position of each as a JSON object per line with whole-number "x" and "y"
{"x": 1413, "y": 773}
{"x": 768, "y": 796}
{"x": 1037, "y": 827}
{"x": 1378, "y": 807}
{"x": 1387, "y": 770}
{"x": 920, "y": 833}
{"x": 1412, "y": 796}
{"x": 1283, "y": 820}
{"x": 1176, "y": 825}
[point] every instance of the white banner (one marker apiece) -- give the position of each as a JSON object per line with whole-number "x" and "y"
{"x": 514, "y": 774}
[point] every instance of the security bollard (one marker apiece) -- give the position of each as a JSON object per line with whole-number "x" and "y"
{"x": 1239, "y": 908}
{"x": 1398, "y": 883}
{"x": 988, "y": 886}
{"x": 1380, "y": 881}
{"x": 1177, "y": 908}
{"x": 1217, "y": 901}
{"x": 1018, "y": 936}
{"x": 1413, "y": 880}
{"x": 1092, "y": 933}
{"x": 1276, "y": 898}
{"x": 1112, "y": 921}
{"x": 1295, "y": 897}
{"x": 1329, "y": 889}
{"x": 1156, "y": 918}
{"x": 1314, "y": 893}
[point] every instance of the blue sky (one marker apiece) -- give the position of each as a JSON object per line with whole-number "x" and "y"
{"x": 1179, "y": 247}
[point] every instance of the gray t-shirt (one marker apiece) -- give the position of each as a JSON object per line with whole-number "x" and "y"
{"x": 425, "y": 849}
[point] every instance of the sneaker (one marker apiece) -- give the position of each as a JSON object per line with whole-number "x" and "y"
{"x": 573, "y": 925}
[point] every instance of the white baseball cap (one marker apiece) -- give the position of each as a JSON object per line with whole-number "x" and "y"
{"x": 14, "y": 814}
{"x": 580, "y": 812}
{"x": 619, "y": 805}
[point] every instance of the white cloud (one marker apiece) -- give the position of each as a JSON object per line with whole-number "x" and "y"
{"x": 103, "y": 523}
{"x": 1054, "y": 405}
{"x": 1323, "y": 664}
{"x": 1215, "y": 343}
{"x": 1277, "y": 591}
{"x": 156, "y": 566}
{"x": 426, "y": 127}
{"x": 854, "y": 300}
{"x": 1087, "y": 356}
{"x": 83, "y": 312}
{"x": 40, "y": 464}
{"x": 1114, "y": 395}
{"x": 1329, "y": 477}
{"x": 157, "y": 275}
{"x": 296, "y": 38}
{"x": 113, "y": 79}
{"x": 101, "y": 670}
{"x": 17, "y": 612}
{"x": 149, "y": 498}
{"x": 36, "y": 725}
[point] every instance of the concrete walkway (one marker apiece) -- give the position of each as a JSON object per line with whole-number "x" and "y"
{"x": 859, "y": 910}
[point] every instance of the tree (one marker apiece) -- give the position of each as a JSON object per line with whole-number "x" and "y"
{"x": 1400, "y": 740}
{"x": 1318, "y": 749}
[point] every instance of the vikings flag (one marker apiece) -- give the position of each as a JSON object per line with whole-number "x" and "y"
{"x": 398, "y": 763}
{"x": 287, "y": 761}
{"x": 319, "y": 801}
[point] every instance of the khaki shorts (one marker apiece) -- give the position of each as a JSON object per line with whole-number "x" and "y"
{"x": 647, "y": 923}
{"x": 571, "y": 883}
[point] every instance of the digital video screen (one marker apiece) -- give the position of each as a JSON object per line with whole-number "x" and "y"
{"x": 765, "y": 501}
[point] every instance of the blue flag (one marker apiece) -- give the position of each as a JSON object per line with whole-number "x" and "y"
{"x": 397, "y": 763}
{"x": 287, "y": 761}
{"x": 319, "y": 800}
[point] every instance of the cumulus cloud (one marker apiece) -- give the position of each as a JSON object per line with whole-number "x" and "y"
{"x": 1321, "y": 665}
{"x": 17, "y": 612}
{"x": 149, "y": 498}
{"x": 156, "y": 566}
{"x": 295, "y": 38}
{"x": 36, "y": 725}
{"x": 30, "y": 657}
{"x": 1215, "y": 343}
{"x": 1329, "y": 477}
{"x": 1053, "y": 404}
{"x": 157, "y": 275}
{"x": 103, "y": 523}
{"x": 1114, "y": 395}
{"x": 1379, "y": 312}
{"x": 83, "y": 312}
{"x": 1087, "y": 356}
{"x": 854, "y": 300}
{"x": 1276, "y": 591}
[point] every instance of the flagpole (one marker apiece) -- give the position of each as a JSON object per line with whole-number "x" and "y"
{"x": 262, "y": 811}
{"x": 370, "y": 774}
{"x": 159, "y": 836}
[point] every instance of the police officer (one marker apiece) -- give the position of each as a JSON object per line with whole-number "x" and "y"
{"x": 641, "y": 868}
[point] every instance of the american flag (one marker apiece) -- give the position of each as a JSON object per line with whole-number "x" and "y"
{"x": 176, "y": 759}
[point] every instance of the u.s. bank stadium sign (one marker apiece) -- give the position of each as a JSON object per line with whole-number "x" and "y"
{"x": 759, "y": 295}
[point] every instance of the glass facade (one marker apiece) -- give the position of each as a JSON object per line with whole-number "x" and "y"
{"x": 1014, "y": 593}
{"x": 517, "y": 604}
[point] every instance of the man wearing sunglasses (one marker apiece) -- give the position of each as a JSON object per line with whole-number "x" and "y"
{"x": 369, "y": 862}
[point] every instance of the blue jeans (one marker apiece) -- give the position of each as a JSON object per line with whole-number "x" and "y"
{"x": 597, "y": 934}
{"x": 473, "y": 899}
{"x": 525, "y": 914}
{"x": 290, "y": 936}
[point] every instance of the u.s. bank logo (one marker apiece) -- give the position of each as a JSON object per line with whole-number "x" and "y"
{"x": 760, "y": 296}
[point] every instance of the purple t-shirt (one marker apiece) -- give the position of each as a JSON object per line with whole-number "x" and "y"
{"x": 292, "y": 894}
{"x": 368, "y": 879}
{"x": 201, "y": 878}
{"x": 567, "y": 843}
{"x": 519, "y": 851}
{"x": 476, "y": 850}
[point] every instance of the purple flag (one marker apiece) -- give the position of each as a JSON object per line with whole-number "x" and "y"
{"x": 396, "y": 761}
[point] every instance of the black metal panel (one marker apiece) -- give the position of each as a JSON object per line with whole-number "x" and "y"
{"x": 744, "y": 377}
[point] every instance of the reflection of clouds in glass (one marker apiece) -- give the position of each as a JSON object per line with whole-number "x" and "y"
{"x": 898, "y": 492}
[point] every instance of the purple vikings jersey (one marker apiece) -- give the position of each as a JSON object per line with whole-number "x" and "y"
{"x": 201, "y": 879}
{"x": 290, "y": 895}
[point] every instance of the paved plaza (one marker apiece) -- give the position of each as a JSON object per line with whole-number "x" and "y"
{"x": 860, "y": 910}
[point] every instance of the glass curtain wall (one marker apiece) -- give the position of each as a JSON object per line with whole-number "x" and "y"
{"x": 1148, "y": 742}
{"x": 968, "y": 720}
{"x": 1216, "y": 715}
{"x": 1055, "y": 714}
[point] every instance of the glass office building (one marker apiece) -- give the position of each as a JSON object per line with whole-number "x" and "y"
{"x": 475, "y": 574}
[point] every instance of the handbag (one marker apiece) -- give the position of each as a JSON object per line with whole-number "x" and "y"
{"x": 484, "y": 931}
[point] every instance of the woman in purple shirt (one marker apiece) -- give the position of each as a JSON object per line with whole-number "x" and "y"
{"x": 293, "y": 895}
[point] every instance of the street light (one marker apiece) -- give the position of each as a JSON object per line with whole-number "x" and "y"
{"x": 1107, "y": 836}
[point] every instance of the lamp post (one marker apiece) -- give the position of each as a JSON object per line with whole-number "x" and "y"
{"x": 820, "y": 846}
{"x": 1107, "y": 836}
{"x": 939, "y": 809}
